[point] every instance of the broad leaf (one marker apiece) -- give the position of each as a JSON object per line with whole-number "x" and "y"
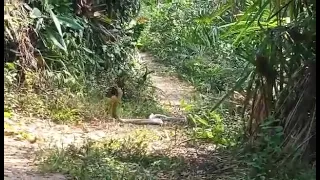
{"x": 70, "y": 22}
{"x": 56, "y": 22}
{"x": 56, "y": 39}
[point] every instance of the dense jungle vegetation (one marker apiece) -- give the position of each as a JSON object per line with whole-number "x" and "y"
{"x": 253, "y": 64}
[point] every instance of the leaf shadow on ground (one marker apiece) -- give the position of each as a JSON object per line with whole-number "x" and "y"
{"x": 125, "y": 158}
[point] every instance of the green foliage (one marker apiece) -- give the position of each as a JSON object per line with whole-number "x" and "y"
{"x": 9, "y": 83}
{"x": 7, "y": 114}
{"x": 216, "y": 126}
{"x": 265, "y": 157}
{"x": 179, "y": 37}
{"x": 110, "y": 159}
{"x": 65, "y": 106}
{"x": 77, "y": 51}
{"x": 260, "y": 46}
{"x": 82, "y": 58}
{"x": 219, "y": 47}
{"x": 141, "y": 108}
{"x": 210, "y": 127}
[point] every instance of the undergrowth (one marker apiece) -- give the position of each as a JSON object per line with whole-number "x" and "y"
{"x": 68, "y": 60}
{"x": 265, "y": 158}
{"x": 208, "y": 44}
{"x": 190, "y": 46}
{"x": 127, "y": 158}
{"x": 132, "y": 158}
{"x": 65, "y": 106}
{"x": 216, "y": 46}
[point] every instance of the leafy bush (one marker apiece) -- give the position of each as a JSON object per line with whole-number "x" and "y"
{"x": 265, "y": 47}
{"x": 267, "y": 160}
{"x": 178, "y": 35}
{"x": 69, "y": 60}
{"x": 65, "y": 106}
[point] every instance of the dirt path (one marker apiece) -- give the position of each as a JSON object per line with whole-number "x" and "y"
{"x": 170, "y": 89}
{"x": 19, "y": 153}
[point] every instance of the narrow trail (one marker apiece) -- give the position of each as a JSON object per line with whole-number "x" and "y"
{"x": 19, "y": 154}
{"x": 169, "y": 89}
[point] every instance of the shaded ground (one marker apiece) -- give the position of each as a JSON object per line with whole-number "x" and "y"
{"x": 19, "y": 153}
